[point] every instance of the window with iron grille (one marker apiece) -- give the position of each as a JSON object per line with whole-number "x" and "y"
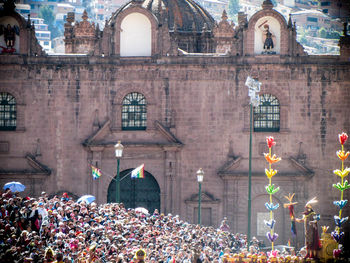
{"x": 7, "y": 112}
{"x": 134, "y": 112}
{"x": 267, "y": 114}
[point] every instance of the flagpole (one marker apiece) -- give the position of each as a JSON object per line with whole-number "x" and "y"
{"x": 118, "y": 182}
{"x": 113, "y": 179}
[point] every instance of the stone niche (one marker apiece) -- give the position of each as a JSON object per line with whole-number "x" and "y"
{"x": 136, "y": 35}
{"x": 15, "y": 27}
{"x": 265, "y": 26}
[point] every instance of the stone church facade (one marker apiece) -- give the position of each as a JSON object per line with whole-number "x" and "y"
{"x": 169, "y": 82}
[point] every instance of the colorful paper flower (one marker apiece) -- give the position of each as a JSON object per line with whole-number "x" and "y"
{"x": 270, "y": 189}
{"x": 272, "y": 159}
{"x": 270, "y": 223}
{"x": 343, "y": 173}
{"x": 270, "y": 173}
{"x": 337, "y": 236}
{"x": 272, "y": 237}
{"x": 271, "y": 206}
{"x": 290, "y": 199}
{"x": 342, "y": 155}
{"x": 342, "y": 138}
{"x": 270, "y": 141}
{"x": 342, "y": 187}
{"x": 336, "y": 252}
{"x": 340, "y": 204}
{"x": 273, "y": 253}
{"x": 339, "y": 221}
{"x": 324, "y": 229}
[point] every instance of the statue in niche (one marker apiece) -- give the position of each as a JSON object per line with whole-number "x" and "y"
{"x": 268, "y": 39}
{"x": 268, "y": 43}
{"x": 9, "y": 33}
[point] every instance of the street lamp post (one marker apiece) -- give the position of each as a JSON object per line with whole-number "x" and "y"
{"x": 200, "y": 177}
{"x": 118, "y": 154}
{"x": 254, "y": 87}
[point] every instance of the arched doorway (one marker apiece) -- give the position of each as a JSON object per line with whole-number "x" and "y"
{"x": 139, "y": 192}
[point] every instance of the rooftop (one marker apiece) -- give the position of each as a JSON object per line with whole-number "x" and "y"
{"x": 310, "y": 11}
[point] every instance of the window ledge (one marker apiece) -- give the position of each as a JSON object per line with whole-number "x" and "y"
{"x": 282, "y": 131}
{"x": 18, "y": 130}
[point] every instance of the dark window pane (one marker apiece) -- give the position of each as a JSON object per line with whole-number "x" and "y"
{"x": 267, "y": 114}
{"x": 134, "y": 112}
{"x": 7, "y": 111}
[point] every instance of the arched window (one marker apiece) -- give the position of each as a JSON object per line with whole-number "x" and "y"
{"x": 7, "y": 112}
{"x": 135, "y": 36}
{"x": 134, "y": 112}
{"x": 267, "y": 114}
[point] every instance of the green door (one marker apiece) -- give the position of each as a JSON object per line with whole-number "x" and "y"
{"x": 136, "y": 192}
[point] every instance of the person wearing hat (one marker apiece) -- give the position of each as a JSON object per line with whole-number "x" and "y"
{"x": 312, "y": 240}
{"x": 140, "y": 256}
{"x": 42, "y": 210}
{"x": 224, "y": 226}
{"x": 49, "y": 255}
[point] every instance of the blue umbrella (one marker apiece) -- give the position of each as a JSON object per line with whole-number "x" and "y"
{"x": 87, "y": 199}
{"x": 14, "y": 186}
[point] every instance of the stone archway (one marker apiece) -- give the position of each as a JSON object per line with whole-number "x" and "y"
{"x": 139, "y": 192}
{"x": 136, "y": 35}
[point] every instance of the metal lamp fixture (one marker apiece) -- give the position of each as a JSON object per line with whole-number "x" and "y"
{"x": 200, "y": 175}
{"x": 200, "y": 178}
{"x": 118, "y": 150}
{"x": 118, "y": 154}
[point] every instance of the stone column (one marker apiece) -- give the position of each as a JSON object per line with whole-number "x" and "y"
{"x": 230, "y": 201}
{"x": 171, "y": 181}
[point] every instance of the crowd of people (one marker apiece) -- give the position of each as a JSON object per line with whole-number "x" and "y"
{"x": 60, "y": 229}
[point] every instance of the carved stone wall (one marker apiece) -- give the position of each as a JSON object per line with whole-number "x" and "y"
{"x": 223, "y": 34}
{"x": 80, "y": 37}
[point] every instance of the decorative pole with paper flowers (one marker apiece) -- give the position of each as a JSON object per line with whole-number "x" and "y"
{"x": 337, "y": 234}
{"x": 271, "y": 189}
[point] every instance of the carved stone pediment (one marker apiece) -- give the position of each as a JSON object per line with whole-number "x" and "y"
{"x": 239, "y": 167}
{"x": 84, "y": 28}
{"x": 224, "y": 34}
{"x": 24, "y": 166}
{"x": 224, "y": 28}
{"x": 80, "y": 37}
{"x": 206, "y": 198}
{"x": 158, "y": 137}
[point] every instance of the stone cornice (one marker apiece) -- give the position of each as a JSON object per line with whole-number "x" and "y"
{"x": 244, "y": 174}
{"x": 167, "y": 133}
{"x": 96, "y": 134}
{"x": 39, "y": 169}
{"x": 97, "y": 145}
{"x": 206, "y": 198}
{"x": 230, "y": 170}
{"x": 65, "y": 60}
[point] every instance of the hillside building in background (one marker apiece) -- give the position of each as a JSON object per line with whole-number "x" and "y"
{"x": 336, "y": 9}
{"x": 315, "y": 19}
{"x": 23, "y": 9}
{"x": 42, "y": 34}
{"x": 62, "y": 10}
